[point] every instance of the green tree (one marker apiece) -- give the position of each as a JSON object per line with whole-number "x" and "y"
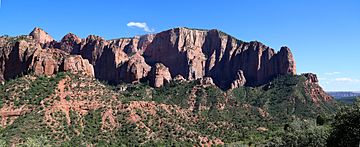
{"x": 320, "y": 120}
{"x": 346, "y": 127}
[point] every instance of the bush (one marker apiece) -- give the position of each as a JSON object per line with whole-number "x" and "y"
{"x": 346, "y": 127}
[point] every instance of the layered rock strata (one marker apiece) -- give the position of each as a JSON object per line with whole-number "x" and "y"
{"x": 190, "y": 53}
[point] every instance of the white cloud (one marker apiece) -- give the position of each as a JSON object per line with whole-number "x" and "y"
{"x": 141, "y": 25}
{"x": 332, "y": 73}
{"x": 346, "y": 80}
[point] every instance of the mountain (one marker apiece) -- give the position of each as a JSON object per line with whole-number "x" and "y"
{"x": 180, "y": 87}
{"x": 190, "y": 53}
{"x": 343, "y": 94}
{"x": 346, "y": 97}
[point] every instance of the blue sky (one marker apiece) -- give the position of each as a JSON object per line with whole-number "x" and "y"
{"x": 324, "y": 35}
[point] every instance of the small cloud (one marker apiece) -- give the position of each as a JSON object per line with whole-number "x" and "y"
{"x": 141, "y": 25}
{"x": 332, "y": 73}
{"x": 346, "y": 80}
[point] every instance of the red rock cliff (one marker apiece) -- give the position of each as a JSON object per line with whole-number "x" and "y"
{"x": 191, "y": 53}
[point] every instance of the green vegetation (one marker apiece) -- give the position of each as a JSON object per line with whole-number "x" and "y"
{"x": 174, "y": 93}
{"x": 13, "y": 40}
{"x": 347, "y": 100}
{"x": 26, "y": 91}
{"x": 26, "y": 128}
{"x": 346, "y": 127}
{"x": 280, "y": 113}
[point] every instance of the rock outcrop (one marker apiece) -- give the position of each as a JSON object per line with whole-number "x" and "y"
{"x": 197, "y": 53}
{"x": 51, "y": 61}
{"x": 70, "y": 43}
{"x": 135, "y": 69}
{"x": 46, "y": 62}
{"x": 206, "y": 81}
{"x": 21, "y": 55}
{"x": 15, "y": 57}
{"x": 239, "y": 81}
{"x": 311, "y": 78}
{"x": 41, "y": 36}
{"x": 314, "y": 90}
{"x": 190, "y": 53}
{"x": 179, "y": 78}
{"x": 76, "y": 64}
{"x": 159, "y": 75}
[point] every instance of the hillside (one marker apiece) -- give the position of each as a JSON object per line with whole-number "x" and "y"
{"x": 180, "y": 87}
{"x": 68, "y": 109}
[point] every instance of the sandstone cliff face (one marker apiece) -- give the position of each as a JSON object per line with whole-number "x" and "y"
{"x": 16, "y": 57}
{"x": 51, "y": 61}
{"x": 76, "y": 64}
{"x": 239, "y": 81}
{"x": 196, "y": 53}
{"x": 190, "y": 53}
{"x": 70, "y": 43}
{"x": 25, "y": 55}
{"x": 134, "y": 70}
{"x": 46, "y": 62}
{"x": 159, "y": 75}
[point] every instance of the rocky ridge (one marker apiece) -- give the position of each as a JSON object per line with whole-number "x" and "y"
{"x": 314, "y": 90}
{"x": 190, "y": 53}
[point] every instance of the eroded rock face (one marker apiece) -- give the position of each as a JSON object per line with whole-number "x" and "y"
{"x": 16, "y": 57}
{"x": 239, "y": 81}
{"x": 47, "y": 61}
{"x": 44, "y": 63}
{"x": 197, "y": 53}
{"x": 159, "y": 75}
{"x": 311, "y": 78}
{"x": 313, "y": 88}
{"x": 76, "y": 64}
{"x": 25, "y": 56}
{"x": 51, "y": 61}
{"x": 70, "y": 43}
{"x": 41, "y": 36}
{"x": 190, "y": 53}
{"x": 135, "y": 69}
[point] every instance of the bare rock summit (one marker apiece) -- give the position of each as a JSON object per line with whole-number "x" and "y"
{"x": 41, "y": 36}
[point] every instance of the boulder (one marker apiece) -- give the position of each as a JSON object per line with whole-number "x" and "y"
{"x": 206, "y": 81}
{"x": 179, "y": 78}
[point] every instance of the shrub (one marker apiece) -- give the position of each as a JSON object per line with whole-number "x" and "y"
{"x": 346, "y": 127}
